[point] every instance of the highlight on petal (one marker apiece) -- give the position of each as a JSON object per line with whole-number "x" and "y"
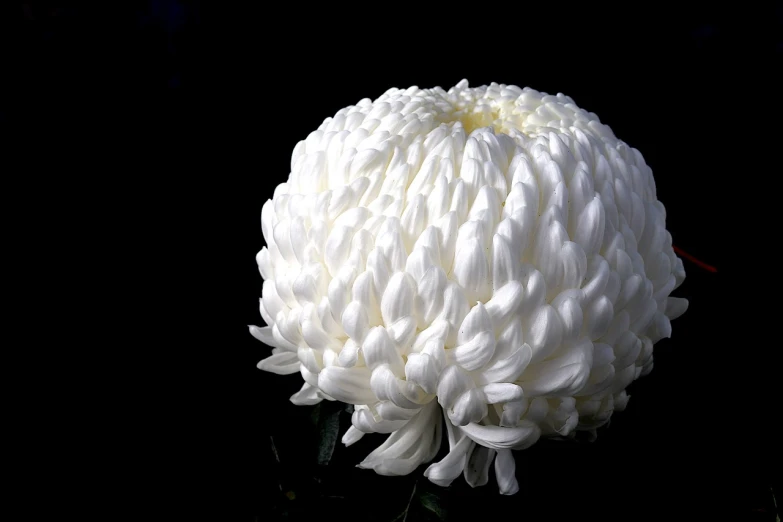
{"x": 490, "y": 258}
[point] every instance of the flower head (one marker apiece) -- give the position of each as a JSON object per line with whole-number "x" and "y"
{"x": 490, "y": 257}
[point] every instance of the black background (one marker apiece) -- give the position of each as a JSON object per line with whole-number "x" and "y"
{"x": 187, "y": 113}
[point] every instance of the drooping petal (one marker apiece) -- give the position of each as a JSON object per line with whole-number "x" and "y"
{"x": 505, "y": 472}
{"x": 447, "y": 469}
{"x": 405, "y": 449}
{"x": 477, "y": 467}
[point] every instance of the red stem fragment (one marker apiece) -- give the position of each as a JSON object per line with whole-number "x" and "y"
{"x": 700, "y": 264}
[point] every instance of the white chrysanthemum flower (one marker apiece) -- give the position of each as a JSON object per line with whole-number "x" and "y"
{"x": 494, "y": 254}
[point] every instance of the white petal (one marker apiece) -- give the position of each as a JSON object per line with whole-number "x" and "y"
{"x": 307, "y": 396}
{"x": 469, "y": 407}
{"x": 390, "y": 411}
{"x": 446, "y": 470}
{"x": 535, "y": 293}
{"x": 364, "y": 421}
{"x": 438, "y": 331}
{"x": 363, "y": 291}
{"x": 422, "y": 369}
{"x": 475, "y": 353}
{"x": 351, "y": 385}
{"x": 477, "y": 466}
{"x": 414, "y": 219}
{"x": 602, "y": 354}
{"x": 502, "y": 392}
{"x": 507, "y": 369}
{"x": 626, "y": 350}
{"x": 376, "y": 263}
{"x": 590, "y": 227}
{"x": 512, "y": 412}
{"x": 337, "y": 248}
{"x": 574, "y": 265}
{"x": 431, "y": 289}
{"x": 398, "y": 297}
{"x": 283, "y": 363}
{"x": 388, "y": 387}
{"x": 561, "y": 376}
{"x": 408, "y": 447}
{"x": 471, "y": 270}
{"x": 544, "y": 333}
{"x": 599, "y": 317}
{"x": 597, "y": 278}
{"x": 505, "y": 303}
{"x": 448, "y": 226}
{"x": 391, "y": 244}
{"x": 453, "y": 382}
{"x": 571, "y": 318}
{"x": 402, "y": 332}
{"x": 475, "y": 322}
{"x": 520, "y": 437}
{"x": 420, "y": 260}
{"x": 378, "y": 348}
{"x": 349, "y": 354}
{"x": 351, "y": 436}
{"x": 505, "y": 267}
{"x": 263, "y": 334}
{"x": 505, "y": 472}
{"x": 355, "y": 321}
{"x": 675, "y": 307}
{"x": 455, "y": 308}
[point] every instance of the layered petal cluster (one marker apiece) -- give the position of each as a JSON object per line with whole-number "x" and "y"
{"x": 491, "y": 257}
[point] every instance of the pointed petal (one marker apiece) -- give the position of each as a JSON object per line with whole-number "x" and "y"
{"x": 283, "y": 363}
{"x": 351, "y": 436}
{"x": 264, "y": 334}
{"x": 378, "y": 348}
{"x": 398, "y": 297}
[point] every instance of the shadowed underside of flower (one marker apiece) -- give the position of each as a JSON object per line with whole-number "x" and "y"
{"x": 492, "y": 257}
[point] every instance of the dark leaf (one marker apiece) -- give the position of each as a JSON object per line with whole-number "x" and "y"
{"x": 423, "y": 506}
{"x": 432, "y": 502}
{"x": 327, "y": 416}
